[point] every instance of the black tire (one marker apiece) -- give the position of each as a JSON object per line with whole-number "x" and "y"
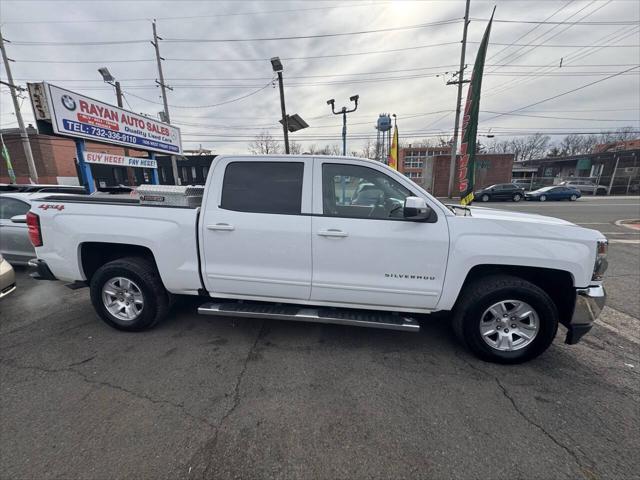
{"x": 517, "y": 197}
{"x": 573, "y": 198}
{"x": 484, "y": 197}
{"x": 156, "y": 300}
{"x": 543, "y": 198}
{"x": 478, "y": 296}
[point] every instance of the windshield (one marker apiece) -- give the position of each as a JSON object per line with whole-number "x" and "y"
{"x": 543, "y": 189}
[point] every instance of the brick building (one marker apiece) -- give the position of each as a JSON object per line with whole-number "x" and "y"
{"x": 412, "y": 161}
{"x": 55, "y": 159}
{"x": 429, "y": 168}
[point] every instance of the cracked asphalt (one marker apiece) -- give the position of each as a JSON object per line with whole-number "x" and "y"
{"x": 200, "y": 397}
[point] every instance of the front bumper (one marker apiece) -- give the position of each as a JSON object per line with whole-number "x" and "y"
{"x": 589, "y": 303}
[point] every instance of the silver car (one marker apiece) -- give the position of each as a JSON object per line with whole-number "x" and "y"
{"x": 15, "y": 245}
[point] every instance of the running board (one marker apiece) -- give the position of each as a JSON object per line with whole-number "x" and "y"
{"x": 358, "y": 318}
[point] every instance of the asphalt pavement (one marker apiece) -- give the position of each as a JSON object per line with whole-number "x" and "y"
{"x": 203, "y": 397}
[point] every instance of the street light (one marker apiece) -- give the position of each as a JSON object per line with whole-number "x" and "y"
{"x": 111, "y": 80}
{"x": 276, "y": 64}
{"x": 343, "y": 112}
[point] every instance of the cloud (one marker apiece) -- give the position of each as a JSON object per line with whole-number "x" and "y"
{"x": 309, "y": 83}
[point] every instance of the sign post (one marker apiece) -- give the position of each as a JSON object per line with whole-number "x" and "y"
{"x": 154, "y": 172}
{"x": 84, "y": 167}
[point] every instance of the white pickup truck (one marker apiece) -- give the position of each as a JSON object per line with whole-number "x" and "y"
{"x": 333, "y": 240}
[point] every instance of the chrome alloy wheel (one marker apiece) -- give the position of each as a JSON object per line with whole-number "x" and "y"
{"x": 122, "y": 298}
{"x": 509, "y": 325}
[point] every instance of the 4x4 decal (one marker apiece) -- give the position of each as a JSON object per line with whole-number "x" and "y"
{"x": 55, "y": 206}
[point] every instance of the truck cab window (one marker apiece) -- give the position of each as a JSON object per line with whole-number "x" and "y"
{"x": 361, "y": 192}
{"x": 263, "y": 187}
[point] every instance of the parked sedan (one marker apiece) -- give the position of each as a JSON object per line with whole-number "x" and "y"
{"x": 554, "y": 193}
{"x": 500, "y": 191}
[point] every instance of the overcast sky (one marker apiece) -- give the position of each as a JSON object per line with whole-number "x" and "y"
{"x": 410, "y": 82}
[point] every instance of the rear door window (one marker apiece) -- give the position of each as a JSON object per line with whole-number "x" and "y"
{"x": 263, "y": 187}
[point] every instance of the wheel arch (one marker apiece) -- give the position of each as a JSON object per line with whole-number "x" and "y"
{"x": 93, "y": 255}
{"x": 558, "y": 284}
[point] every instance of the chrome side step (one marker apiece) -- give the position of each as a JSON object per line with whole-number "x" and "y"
{"x": 358, "y": 318}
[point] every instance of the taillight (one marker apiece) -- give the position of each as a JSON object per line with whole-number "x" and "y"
{"x": 33, "y": 224}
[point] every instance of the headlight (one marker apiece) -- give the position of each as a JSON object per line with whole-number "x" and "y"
{"x": 601, "y": 260}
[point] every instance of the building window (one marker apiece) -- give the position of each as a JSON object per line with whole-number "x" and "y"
{"x": 193, "y": 174}
{"x": 413, "y": 163}
{"x": 205, "y": 172}
{"x": 185, "y": 174}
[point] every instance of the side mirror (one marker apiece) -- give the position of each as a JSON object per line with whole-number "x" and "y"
{"x": 19, "y": 219}
{"x": 416, "y": 209}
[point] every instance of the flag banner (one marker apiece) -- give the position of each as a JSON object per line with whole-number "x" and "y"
{"x": 7, "y": 159}
{"x": 466, "y": 168}
{"x": 393, "y": 153}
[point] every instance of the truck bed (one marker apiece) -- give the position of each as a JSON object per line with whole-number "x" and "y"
{"x": 69, "y": 221}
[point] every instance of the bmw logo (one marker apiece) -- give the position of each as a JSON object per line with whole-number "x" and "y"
{"x": 68, "y": 102}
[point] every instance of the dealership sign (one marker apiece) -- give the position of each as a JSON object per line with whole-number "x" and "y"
{"x": 119, "y": 160}
{"x": 75, "y": 115}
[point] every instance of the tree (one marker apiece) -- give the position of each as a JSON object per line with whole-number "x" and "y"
{"x": 620, "y": 135}
{"x": 369, "y": 150}
{"x": 264, "y": 144}
{"x": 295, "y": 148}
{"x": 574, "y": 144}
{"x": 523, "y": 148}
{"x": 326, "y": 150}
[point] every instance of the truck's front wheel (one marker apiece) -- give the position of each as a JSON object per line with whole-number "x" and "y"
{"x": 128, "y": 294}
{"x": 505, "y": 319}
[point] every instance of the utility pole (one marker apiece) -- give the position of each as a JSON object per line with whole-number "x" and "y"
{"x": 24, "y": 137}
{"x": 459, "y": 82}
{"x": 276, "y": 64}
{"x": 163, "y": 89}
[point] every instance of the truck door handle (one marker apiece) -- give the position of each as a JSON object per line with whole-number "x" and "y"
{"x": 221, "y": 226}
{"x": 332, "y": 232}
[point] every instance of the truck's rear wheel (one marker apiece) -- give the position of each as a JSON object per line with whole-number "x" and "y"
{"x": 505, "y": 319}
{"x": 128, "y": 294}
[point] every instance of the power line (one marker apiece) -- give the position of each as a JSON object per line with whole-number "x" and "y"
{"x": 192, "y": 17}
{"x": 563, "y": 118}
{"x": 533, "y": 29}
{"x": 621, "y": 22}
{"x": 206, "y": 106}
{"x": 616, "y": 36}
{"x": 226, "y": 40}
{"x": 564, "y": 93}
{"x": 565, "y": 23}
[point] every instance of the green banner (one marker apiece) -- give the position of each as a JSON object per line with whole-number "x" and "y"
{"x": 466, "y": 168}
{"x": 7, "y": 159}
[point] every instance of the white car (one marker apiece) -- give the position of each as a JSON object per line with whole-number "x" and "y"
{"x": 586, "y": 187}
{"x": 275, "y": 232}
